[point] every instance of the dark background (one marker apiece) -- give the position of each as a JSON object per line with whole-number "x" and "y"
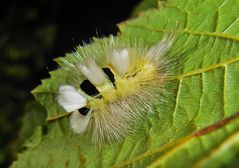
{"x": 32, "y": 34}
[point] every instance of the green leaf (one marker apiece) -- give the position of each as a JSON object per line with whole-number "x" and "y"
{"x": 145, "y": 5}
{"x": 198, "y": 126}
{"x": 34, "y": 117}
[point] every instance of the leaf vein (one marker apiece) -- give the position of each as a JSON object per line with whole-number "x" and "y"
{"x": 222, "y": 147}
{"x": 210, "y": 34}
{"x": 177, "y": 99}
{"x": 179, "y": 143}
{"x": 225, "y": 89}
{"x": 234, "y": 22}
{"x": 202, "y": 70}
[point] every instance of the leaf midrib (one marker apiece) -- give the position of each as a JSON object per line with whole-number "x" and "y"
{"x": 228, "y": 140}
{"x": 232, "y": 139}
{"x": 178, "y": 144}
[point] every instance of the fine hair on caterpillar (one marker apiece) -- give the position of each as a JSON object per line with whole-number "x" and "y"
{"x": 114, "y": 84}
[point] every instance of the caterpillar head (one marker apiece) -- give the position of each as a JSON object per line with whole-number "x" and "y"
{"x": 129, "y": 82}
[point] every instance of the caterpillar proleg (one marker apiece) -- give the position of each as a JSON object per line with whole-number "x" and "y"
{"x": 127, "y": 78}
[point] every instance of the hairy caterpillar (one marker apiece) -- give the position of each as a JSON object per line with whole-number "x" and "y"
{"x": 127, "y": 79}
